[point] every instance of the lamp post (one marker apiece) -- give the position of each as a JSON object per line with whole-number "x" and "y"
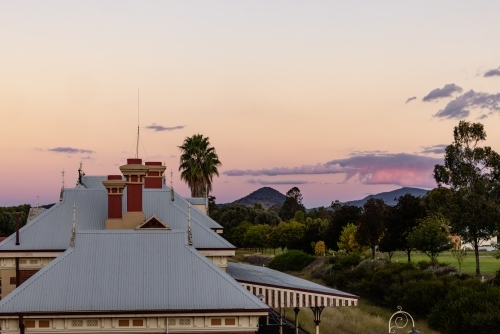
{"x": 401, "y": 321}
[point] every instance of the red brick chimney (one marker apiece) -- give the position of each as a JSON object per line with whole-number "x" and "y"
{"x": 154, "y": 175}
{"x": 134, "y": 172}
{"x": 114, "y": 185}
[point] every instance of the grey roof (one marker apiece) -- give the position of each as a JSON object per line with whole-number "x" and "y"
{"x": 174, "y": 214}
{"x": 269, "y": 277}
{"x": 135, "y": 271}
{"x": 197, "y": 200}
{"x": 51, "y": 230}
{"x": 94, "y": 182}
{"x": 35, "y": 212}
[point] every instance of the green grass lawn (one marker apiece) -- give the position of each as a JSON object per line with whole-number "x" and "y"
{"x": 488, "y": 264}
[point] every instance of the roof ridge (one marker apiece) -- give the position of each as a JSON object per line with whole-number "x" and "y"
{"x": 206, "y": 228}
{"x": 131, "y": 231}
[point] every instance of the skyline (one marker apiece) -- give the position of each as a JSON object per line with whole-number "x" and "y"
{"x": 340, "y": 99}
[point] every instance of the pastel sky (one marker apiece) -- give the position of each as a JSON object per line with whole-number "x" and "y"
{"x": 339, "y": 98}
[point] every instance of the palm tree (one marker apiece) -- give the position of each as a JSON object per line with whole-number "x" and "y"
{"x": 198, "y": 164}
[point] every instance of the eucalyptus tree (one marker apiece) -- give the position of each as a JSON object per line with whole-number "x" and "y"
{"x": 198, "y": 164}
{"x": 403, "y": 218}
{"x": 372, "y": 223}
{"x": 472, "y": 173}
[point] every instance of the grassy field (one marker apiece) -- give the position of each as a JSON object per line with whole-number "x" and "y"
{"x": 488, "y": 264}
{"x": 364, "y": 319}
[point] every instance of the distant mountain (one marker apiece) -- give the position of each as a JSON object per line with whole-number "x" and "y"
{"x": 266, "y": 196}
{"x": 390, "y": 196}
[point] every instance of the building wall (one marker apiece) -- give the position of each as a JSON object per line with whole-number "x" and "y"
{"x": 186, "y": 323}
{"x": 28, "y": 266}
{"x": 5, "y": 276}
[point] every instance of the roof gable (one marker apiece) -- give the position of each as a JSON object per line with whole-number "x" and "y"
{"x": 153, "y": 222}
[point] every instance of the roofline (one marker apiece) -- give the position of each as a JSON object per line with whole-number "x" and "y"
{"x": 234, "y": 248}
{"x": 136, "y": 312}
{"x": 298, "y": 289}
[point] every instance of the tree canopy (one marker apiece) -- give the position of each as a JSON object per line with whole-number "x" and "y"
{"x": 198, "y": 164}
{"x": 372, "y": 223}
{"x": 402, "y": 219}
{"x": 431, "y": 237}
{"x": 472, "y": 173}
{"x": 293, "y": 203}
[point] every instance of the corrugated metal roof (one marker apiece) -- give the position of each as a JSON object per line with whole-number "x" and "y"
{"x": 51, "y": 230}
{"x": 196, "y": 200}
{"x": 94, "y": 181}
{"x": 266, "y": 276}
{"x": 130, "y": 270}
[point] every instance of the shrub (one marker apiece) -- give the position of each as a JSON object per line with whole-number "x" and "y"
{"x": 293, "y": 260}
{"x": 343, "y": 261}
{"x": 319, "y": 248}
{"x": 417, "y": 297}
{"x": 468, "y": 310}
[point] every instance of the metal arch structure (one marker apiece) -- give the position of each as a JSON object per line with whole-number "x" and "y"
{"x": 401, "y": 320}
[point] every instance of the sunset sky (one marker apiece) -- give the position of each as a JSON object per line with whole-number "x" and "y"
{"x": 340, "y": 98}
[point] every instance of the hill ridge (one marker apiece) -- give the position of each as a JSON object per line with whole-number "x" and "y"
{"x": 268, "y": 196}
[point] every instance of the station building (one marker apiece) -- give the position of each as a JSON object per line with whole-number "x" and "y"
{"x": 126, "y": 254}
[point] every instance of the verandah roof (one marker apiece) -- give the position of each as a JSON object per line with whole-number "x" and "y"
{"x": 282, "y": 290}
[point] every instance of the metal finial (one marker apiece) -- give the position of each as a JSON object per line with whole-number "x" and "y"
{"x": 190, "y": 233}
{"x": 73, "y": 230}
{"x": 164, "y": 179}
{"x": 63, "y": 183}
{"x": 37, "y": 201}
{"x": 80, "y": 174}
{"x": 137, "y": 146}
{"x": 171, "y": 185}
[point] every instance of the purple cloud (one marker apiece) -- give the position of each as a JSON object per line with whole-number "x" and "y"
{"x": 435, "y": 149}
{"x": 305, "y": 169}
{"x": 277, "y": 182}
{"x": 460, "y": 107}
{"x": 88, "y": 157}
{"x": 390, "y": 168}
{"x": 492, "y": 73}
{"x": 156, "y": 127}
{"x": 410, "y": 99}
{"x": 373, "y": 168}
{"x": 71, "y": 150}
{"x": 483, "y": 116}
{"x": 446, "y": 91}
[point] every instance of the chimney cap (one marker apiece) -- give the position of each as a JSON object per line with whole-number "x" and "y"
{"x": 134, "y": 161}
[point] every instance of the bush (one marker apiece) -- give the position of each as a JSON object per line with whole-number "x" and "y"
{"x": 468, "y": 310}
{"x": 293, "y": 260}
{"x": 343, "y": 261}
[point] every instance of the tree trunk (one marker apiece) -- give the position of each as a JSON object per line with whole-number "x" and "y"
{"x": 476, "y": 253}
{"x": 408, "y": 252}
{"x": 373, "y": 252}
